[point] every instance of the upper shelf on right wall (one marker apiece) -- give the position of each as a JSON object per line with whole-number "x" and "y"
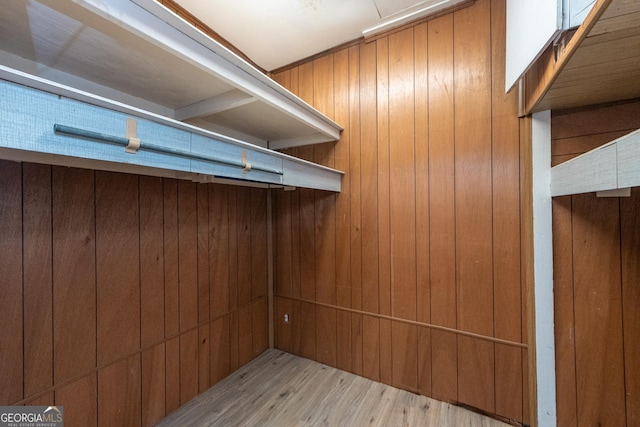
{"x": 599, "y": 63}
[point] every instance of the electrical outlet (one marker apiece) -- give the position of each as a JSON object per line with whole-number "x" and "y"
{"x": 286, "y": 318}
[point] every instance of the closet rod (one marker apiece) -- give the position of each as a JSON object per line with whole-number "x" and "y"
{"x": 82, "y": 133}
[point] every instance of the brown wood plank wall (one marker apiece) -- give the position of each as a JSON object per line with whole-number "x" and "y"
{"x": 123, "y": 290}
{"x": 596, "y": 277}
{"x": 417, "y": 273}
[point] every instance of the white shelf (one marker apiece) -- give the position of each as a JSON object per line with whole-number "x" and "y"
{"x": 140, "y": 53}
{"x": 612, "y": 166}
{"x": 32, "y": 107}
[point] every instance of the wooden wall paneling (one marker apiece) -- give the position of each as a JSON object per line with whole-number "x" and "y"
{"x": 355, "y": 189}
{"x": 117, "y": 266}
{"x": 170, "y": 236}
{"x": 36, "y": 276}
{"x": 474, "y": 273}
{"x": 187, "y": 254}
{"x": 74, "y": 274}
{"x": 152, "y": 302}
{"x": 421, "y": 131}
{"x": 11, "y": 362}
{"x": 295, "y": 321}
{"x": 405, "y": 362}
{"x": 219, "y": 349}
{"x": 325, "y": 277}
{"x": 204, "y": 358}
{"x": 153, "y": 384}
{"x": 234, "y": 340}
{"x": 307, "y": 244}
{"x": 284, "y": 330}
{"x": 566, "y": 398}
{"x": 622, "y": 117}
{"x": 219, "y": 250}
{"x": 402, "y": 174}
{"x": 402, "y": 209}
{"x": 325, "y": 222}
{"x": 202, "y": 196}
{"x": 260, "y": 327}
{"x": 326, "y": 336}
{"x": 505, "y": 153}
{"x": 442, "y": 250}
{"x": 283, "y": 258}
{"x": 526, "y": 267}
{"x": 80, "y": 401}
{"x": 45, "y": 399}
{"x": 234, "y": 247}
{"x": 384, "y": 256}
{"x": 369, "y": 216}
{"x": 258, "y": 243}
{"x": 188, "y": 365}
{"x": 244, "y": 245}
{"x": 245, "y": 341}
{"x": 598, "y": 311}
{"x": 304, "y": 330}
{"x": 630, "y": 246}
{"x": 119, "y": 393}
{"x": 172, "y": 375}
{"x": 296, "y": 264}
{"x": 343, "y": 211}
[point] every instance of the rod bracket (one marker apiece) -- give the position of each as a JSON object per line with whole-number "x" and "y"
{"x": 134, "y": 142}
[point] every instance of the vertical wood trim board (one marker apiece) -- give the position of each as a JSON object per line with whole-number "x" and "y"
{"x": 126, "y": 285}
{"x": 428, "y": 226}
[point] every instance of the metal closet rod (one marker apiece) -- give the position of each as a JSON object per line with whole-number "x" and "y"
{"x": 82, "y": 133}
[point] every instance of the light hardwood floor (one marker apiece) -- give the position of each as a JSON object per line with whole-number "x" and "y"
{"x": 280, "y": 389}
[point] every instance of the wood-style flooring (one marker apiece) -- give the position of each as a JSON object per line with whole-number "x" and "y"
{"x": 280, "y": 389}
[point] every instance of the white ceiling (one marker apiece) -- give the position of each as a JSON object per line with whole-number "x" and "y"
{"x": 275, "y": 33}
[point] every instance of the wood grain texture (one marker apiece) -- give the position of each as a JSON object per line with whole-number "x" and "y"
{"x": 80, "y": 400}
{"x": 258, "y": 243}
{"x": 244, "y": 245}
{"x": 421, "y": 142}
{"x": 598, "y": 310}
{"x": 442, "y": 206}
{"x": 564, "y": 312}
{"x": 74, "y": 275}
{"x": 402, "y": 205}
{"x": 219, "y": 349}
{"x": 202, "y": 195}
{"x": 343, "y": 211}
{"x": 472, "y": 97}
{"x": 219, "y": 250}
{"x": 232, "y": 206}
{"x": 170, "y": 237}
{"x": 172, "y": 375}
{"x": 187, "y": 254}
{"x": 151, "y": 261}
{"x": 152, "y": 385}
{"x": 11, "y": 331}
{"x": 630, "y": 246}
{"x": 188, "y": 366}
{"x": 592, "y": 249}
{"x": 37, "y": 277}
{"x": 505, "y": 167}
{"x": 259, "y": 326}
{"x": 432, "y": 154}
{"x": 245, "y": 343}
{"x": 119, "y": 393}
{"x": 118, "y": 266}
{"x": 204, "y": 359}
{"x": 282, "y": 389}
